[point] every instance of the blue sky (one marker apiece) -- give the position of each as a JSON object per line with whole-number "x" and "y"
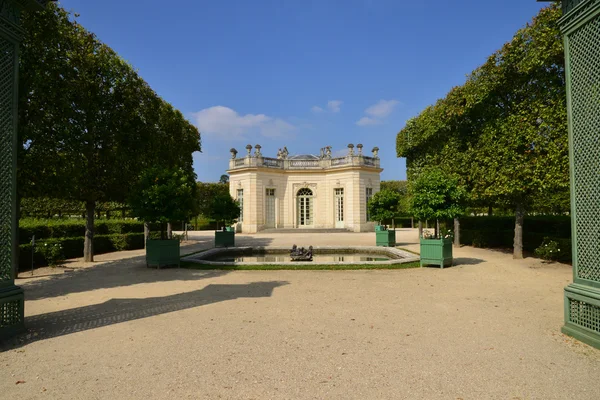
{"x": 302, "y": 73}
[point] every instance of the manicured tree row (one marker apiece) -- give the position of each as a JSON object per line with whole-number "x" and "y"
{"x": 88, "y": 123}
{"x": 503, "y": 134}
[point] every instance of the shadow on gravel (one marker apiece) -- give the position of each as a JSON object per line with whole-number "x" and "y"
{"x": 466, "y": 261}
{"x": 115, "y": 311}
{"x": 120, "y": 273}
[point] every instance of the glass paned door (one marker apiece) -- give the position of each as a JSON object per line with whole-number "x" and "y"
{"x": 339, "y": 208}
{"x": 270, "y": 208}
{"x": 304, "y": 207}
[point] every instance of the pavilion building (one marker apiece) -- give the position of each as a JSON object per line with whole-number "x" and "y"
{"x": 304, "y": 191}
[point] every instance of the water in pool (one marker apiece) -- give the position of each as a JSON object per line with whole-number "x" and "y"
{"x": 317, "y": 258}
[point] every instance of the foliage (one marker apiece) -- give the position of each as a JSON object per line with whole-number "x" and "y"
{"x": 550, "y": 250}
{"x": 207, "y": 191}
{"x": 436, "y": 196}
{"x": 497, "y": 232}
{"x": 88, "y": 123}
{"x": 52, "y": 253}
{"x": 72, "y": 247}
{"x": 384, "y": 205}
{"x": 224, "y": 179}
{"x": 67, "y": 228}
{"x": 503, "y": 133}
{"x": 45, "y": 207}
{"x": 401, "y": 187}
{"x": 164, "y": 195}
{"x": 224, "y": 208}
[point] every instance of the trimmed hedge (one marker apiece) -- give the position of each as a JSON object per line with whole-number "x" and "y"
{"x": 498, "y": 232}
{"x": 71, "y": 228}
{"x": 73, "y": 247}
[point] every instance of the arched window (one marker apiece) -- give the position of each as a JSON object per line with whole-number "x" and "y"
{"x": 305, "y": 192}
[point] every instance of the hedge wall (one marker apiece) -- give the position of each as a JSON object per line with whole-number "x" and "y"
{"x": 73, "y": 247}
{"x": 498, "y": 232}
{"x": 67, "y": 228}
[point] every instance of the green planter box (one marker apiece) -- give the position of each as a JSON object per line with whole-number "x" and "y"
{"x": 436, "y": 252}
{"x": 162, "y": 253}
{"x": 379, "y": 228}
{"x": 385, "y": 238}
{"x": 230, "y": 229}
{"x": 224, "y": 239}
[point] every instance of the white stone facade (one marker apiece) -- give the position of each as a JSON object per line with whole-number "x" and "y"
{"x": 304, "y": 192}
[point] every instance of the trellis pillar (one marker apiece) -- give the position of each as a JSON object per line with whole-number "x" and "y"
{"x": 11, "y": 296}
{"x": 580, "y": 26}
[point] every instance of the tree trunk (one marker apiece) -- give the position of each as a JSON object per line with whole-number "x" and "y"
{"x": 146, "y": 233}
{"x": 437, "y": 228}
{"x": 420, "y": 229}
{"x": 489, "y": 211}
{"x": 412, "y": 222}
{"x": 456, "y": 232}
{"x": 107, "y": 214}
{"x": 88, "y": 244}
{"x": 393, "y": 224}
{"x": 169, "y": 231}
{"x": 518, "y": 241}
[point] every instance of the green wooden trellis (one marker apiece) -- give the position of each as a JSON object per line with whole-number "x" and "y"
{"x": 580, "y": 26}
{"x": 11, "y": 296}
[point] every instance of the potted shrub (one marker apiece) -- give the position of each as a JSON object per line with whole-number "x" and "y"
{"x": 223, "y": 208}
{"x": 436, "y": 196}
{"x": 164, "y": 195}
{"x": 384, "y": 206}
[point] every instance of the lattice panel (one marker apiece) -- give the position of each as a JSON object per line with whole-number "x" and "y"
{"x": 584, "y": 47}
{"x": 568, "y": 5}
{"x": 7, "y": 52}
{"x": 585, "y": 315}
{"x": 10, "y": 313}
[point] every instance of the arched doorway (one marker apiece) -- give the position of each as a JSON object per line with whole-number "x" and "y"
{"x": 304, "y": 207}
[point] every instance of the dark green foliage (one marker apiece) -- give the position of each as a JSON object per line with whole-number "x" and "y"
{"x": 73, "y": 248}
{"x": 88, "y": 123}
{"x": 384, "y": 205}
{"x": 165, "y": 195}
{"x": 66, "y": 228}
{"x": 207, "y": 192}
{"x": 503, "y": 133}
{"x": 498, "y": 232}
{"x": 224, "y": 208}
{"x": 554, "y": 249}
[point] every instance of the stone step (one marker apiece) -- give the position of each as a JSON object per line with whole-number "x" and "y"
{"x": 306, "y": 230}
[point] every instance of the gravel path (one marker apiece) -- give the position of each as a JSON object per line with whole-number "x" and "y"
{"x": 488, "y": 328}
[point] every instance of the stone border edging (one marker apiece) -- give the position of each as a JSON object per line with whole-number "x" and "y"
{"x": 398, "y": 256}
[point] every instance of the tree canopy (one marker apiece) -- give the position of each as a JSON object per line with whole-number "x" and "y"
{"x": 164, "y": 195}
{"x": 88, "y": 123}
{"x": 384, "y": 205}
{"x": 503, "y": 133}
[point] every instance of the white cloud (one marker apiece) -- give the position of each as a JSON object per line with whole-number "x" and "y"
{"x": 227, "y": 123}
{"x": 382, "y": 108}
{"x": 364, "y": 121}
{"x": 334, "y": 105}
{"x": 377, "y": 112}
